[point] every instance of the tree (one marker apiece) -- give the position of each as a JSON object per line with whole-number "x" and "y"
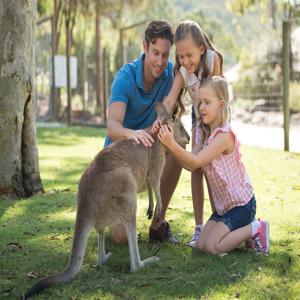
{"x": 241, "y": 6}
{"x": 19, "y": 168}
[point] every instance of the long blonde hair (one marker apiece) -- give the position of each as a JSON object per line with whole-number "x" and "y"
{"x": 200, "y": 38}
{"x": 220, "y": 88}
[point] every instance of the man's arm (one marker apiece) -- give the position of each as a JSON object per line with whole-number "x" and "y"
{"x": 170, "y": 100}
{"x": 116, "y": 130}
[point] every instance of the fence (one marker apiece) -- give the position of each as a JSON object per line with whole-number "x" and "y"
{"x": 264, "y": 93}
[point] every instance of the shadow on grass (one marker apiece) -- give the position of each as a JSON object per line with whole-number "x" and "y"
{"x": 41, "y": 235}
{"x": 66, "y": 176}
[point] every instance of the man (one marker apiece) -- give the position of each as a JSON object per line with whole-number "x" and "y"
{"x": 131, "y": 113}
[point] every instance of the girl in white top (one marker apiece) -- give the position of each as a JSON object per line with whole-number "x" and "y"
{"x": 196, "y": 59}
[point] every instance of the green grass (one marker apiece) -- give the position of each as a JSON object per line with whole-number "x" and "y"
{"x": 36, "y": 235}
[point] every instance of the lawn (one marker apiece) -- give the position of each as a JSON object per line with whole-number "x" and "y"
{"x": 36, "y": 234}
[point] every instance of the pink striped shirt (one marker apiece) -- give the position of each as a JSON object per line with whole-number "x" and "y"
{"x": 226, "y": 175}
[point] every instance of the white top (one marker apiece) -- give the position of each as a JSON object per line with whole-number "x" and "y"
{"x": 192, "y": 82}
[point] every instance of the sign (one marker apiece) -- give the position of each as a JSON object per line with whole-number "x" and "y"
{"x": 60, "y": 64}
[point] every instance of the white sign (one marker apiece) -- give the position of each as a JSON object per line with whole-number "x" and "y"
{"x": 60, "y": 64}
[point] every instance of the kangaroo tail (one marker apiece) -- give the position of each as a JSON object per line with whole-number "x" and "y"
{"x": 82, "y": 228}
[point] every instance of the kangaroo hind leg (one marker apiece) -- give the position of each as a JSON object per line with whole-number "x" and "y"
{"x": 135, "y": 260}
{"x": 102, "y": 255}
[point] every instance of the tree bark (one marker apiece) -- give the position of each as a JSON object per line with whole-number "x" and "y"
{"x": 19, "y": 168}
{"x": 68, "y": 65}
{"x": 99, "y": 74}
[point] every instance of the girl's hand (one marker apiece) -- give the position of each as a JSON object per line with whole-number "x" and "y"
{"x": 156, "y": 126}
{"x": 166, "y": 135}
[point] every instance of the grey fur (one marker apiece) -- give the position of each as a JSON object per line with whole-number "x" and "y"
{"x": 107, "y": 194}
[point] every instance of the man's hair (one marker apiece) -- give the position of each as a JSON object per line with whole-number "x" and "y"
{"x": 158, "y": 29}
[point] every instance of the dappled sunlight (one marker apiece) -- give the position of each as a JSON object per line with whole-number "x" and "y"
{"x": 90, "y": 150}
{"x": 14, "y": 211}
{"x": 62, "y": 216}
{"x": 66, "y": 168}
{"x": 69, "y": 135}
{"x": 39, "y": 230}
{"x": 69, "y": 162}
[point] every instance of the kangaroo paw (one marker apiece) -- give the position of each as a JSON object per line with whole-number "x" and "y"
{"x": 149, "y": 213}
{"x": 103, "y": 260}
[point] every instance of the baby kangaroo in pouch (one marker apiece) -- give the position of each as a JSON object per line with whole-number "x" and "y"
{"x": 107, "y": 194}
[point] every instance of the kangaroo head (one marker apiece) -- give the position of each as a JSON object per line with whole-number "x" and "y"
{"x": 180, "y": 134}
{"x": 162, "y": 113}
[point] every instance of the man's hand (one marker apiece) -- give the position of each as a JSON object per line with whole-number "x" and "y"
{"x": 156, "y": 126}
{"x": 141, "y": 136}
{"x": 166, "y": 135}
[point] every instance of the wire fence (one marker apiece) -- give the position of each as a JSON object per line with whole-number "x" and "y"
{"x": 260, "y": 100}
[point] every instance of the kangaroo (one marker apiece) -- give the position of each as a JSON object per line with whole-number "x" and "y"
{"x": 107, "y": 194}
{"x": 182, "y": 138}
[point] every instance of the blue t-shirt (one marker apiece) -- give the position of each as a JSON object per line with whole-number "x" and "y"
{"x": 128, "y": 87}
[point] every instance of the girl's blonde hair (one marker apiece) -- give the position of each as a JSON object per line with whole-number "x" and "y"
{"x": 220, "y": 88}
{"x": 200, "y": 38}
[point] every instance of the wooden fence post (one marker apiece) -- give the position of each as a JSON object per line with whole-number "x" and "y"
{"x": 286, "y": 31}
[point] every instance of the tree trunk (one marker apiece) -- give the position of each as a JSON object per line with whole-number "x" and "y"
{"x": 19, "y": 168}
{"x": 68, "y": 65}
{"x": 99, "y": 74}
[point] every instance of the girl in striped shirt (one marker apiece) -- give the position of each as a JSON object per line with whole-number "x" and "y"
{"x": 217, "y": 152}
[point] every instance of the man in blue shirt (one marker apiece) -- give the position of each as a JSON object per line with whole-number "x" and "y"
{"x": 131, "y": 113}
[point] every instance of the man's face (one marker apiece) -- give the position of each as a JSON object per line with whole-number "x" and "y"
{"x": 156, "y": 57}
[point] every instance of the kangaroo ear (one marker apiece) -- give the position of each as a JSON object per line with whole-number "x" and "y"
{"x": 160, "y": 109}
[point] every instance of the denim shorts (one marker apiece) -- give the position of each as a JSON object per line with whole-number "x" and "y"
{"x": 238, "y": 216}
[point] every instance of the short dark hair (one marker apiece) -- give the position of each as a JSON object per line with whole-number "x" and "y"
{"x": 158, "y": 29}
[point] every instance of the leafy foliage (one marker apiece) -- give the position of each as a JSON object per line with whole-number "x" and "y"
{"x": 241, "y": 6}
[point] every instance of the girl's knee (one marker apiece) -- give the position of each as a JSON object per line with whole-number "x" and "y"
{"x": 204, "y": 247}
{"x": 211, "y": 249}
{"x": 217, "y": 249}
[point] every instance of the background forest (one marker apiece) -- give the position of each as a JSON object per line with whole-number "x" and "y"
{"x": 248, "y": 33}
